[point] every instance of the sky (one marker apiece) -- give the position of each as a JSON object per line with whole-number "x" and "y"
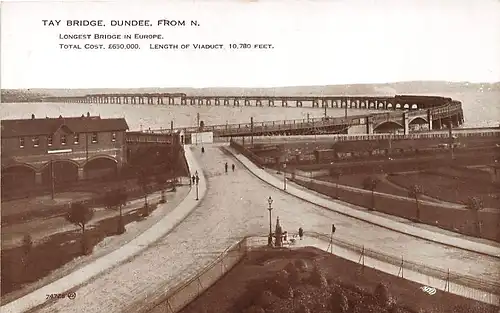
{"x": 314, "y": 43}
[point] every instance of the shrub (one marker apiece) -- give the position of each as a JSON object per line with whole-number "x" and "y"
{"x": 381, "y": 295}
{"x": 27, "y": 244}
{"x": 318, "y": 278}
{"x": 293, "y": 274}
{"x": 338, "y": 302}
{"x": 301, "y": 265}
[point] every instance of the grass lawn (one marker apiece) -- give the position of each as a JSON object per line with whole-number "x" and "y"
{"x": 57, "y": 250}
{"x": 445, "y": 184}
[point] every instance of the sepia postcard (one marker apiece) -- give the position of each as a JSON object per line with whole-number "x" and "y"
{"x": 250, "y": 156}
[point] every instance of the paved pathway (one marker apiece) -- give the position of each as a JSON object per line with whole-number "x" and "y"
{"x": 236, "y": 205}
{"x": 404, "y": 228}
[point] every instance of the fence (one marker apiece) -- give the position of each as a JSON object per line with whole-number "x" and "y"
{"x": 445, "y": 280}
{"x": 175, "y": 299}
{"x": 185, "y": 292}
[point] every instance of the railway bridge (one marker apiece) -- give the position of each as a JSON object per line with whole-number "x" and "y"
{"x": 400, "y": 112}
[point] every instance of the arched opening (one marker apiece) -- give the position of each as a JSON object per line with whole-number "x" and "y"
{"x": 388, "y": 127}
{"x": 100, "y": 167}
{"x": 18, "y": 177}
{"x": 418, "y": 123}
{"x": 389, "y": 105}
{"x": 406, "y": 106}
{"x": 414, "y": 106}
{"x": 398, "y": 106}
{"x": 63, "y": 171}
{"x": 380, "y": 105}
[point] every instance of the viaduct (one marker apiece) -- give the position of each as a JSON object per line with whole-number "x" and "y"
{"x": 399, "y": 112}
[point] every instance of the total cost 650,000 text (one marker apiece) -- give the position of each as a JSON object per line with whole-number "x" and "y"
{"x": 168, "y": 46}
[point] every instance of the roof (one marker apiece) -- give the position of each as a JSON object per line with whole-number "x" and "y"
{"x": 48, "y": 126}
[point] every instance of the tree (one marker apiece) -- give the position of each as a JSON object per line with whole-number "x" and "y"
{"x": 143, "y": 182}
{"x": 414, "y": 192}
{"x": 117, "y": 199}
{"x": 335, "y": 173}
{"x": 475, "y": 204}
{"x": 79, "y": 215}
{"x": 161, "y": 182}
{"x": 370, "y": 183}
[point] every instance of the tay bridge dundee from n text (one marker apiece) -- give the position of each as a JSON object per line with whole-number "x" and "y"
{"x": 400, "y": 112}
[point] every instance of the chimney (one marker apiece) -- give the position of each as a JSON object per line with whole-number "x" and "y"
{"x": 32, "y": 116}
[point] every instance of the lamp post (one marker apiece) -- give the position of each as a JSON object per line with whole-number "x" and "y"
{"x": 197, "y": 181}
{"x": 270, "y": 208}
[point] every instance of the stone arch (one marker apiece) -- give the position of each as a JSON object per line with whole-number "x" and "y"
{"x": 398, "y": 106}
{"x": 387, "y": 127}
{"x": 414, "y": 106}
{"x": 18, "y": 176}
{"x": 389, "y": 106}
{"x": 418, "y": 120}
{"x": 406, "y": 106}
{"x": 100, "y": 166}
{"x": 64, "y": 171}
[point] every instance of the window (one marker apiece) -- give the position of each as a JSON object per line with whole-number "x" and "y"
{"x": 63, "y": 140}
{"x": 76, "y": 138}
{"x": 113, "y": 137}
{"x": 21, "y": 142}
{"x": 36, "y": 141}
{"x": 94, "y": 137}
{"x": 49, "y": 140}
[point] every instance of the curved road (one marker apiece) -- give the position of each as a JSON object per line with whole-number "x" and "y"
{"x": 236, "y": 205}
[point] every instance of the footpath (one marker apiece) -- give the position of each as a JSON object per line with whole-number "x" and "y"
{"x": 119, "y": 256}
{"x": 407, "y": 229}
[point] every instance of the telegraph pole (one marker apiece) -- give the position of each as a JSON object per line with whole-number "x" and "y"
{"x": 52, "y": 178}
{"x": 251, "y": 131}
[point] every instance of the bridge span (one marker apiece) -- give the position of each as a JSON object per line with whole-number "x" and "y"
{"x": 400, "y": 112}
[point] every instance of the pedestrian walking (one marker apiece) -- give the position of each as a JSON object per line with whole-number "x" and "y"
{"x": 193, "y": 178}
{"x": 233, "y": 167}
{"x": 202, "y": 149}
{"x": 301, "y": 233}
{"x": 225, "y": 167}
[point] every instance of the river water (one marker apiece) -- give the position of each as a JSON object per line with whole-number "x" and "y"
{"x": 480, "y": 110}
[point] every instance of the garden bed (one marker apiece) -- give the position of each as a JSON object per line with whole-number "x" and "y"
{"x": 452, "y": 219}
{"x": 285, "y": 281}
{"x": 57, "y": 250}
{"x": 450, "y": 185}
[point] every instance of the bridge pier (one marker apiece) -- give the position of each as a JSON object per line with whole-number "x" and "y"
{"x": 369, "y": 125}
{"x": 271, "y": 102}
{"x": 81, "y": 173}
{"x": 38, "y": 178}
{"x": 406, "y": 123}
